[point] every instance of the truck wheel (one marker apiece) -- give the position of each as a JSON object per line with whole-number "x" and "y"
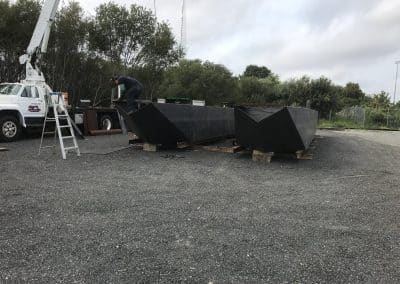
{"x": 10, "y": 129}
{"x": 106, "y": 123}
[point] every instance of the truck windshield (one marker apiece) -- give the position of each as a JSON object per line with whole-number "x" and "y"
{"x": 9, "y": 89}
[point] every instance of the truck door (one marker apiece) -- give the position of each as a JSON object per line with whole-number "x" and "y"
{"x": 32, "y": 106}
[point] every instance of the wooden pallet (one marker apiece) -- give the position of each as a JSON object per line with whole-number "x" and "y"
{"x": 259, "y": 156}
{"x": 147, "y": 147}
{"x": 184, "y": 146}
{"x": 304, "y": 155}
{"x": 221, "y": 149}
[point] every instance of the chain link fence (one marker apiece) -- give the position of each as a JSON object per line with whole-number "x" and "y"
{"x": 370, "y": 118}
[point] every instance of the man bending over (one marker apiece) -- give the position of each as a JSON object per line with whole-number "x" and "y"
{"x": 133, "y": 89}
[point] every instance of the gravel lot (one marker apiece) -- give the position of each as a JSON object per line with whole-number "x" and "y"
{"x": 384, "y": 137}
{"x": 194, "y": 216}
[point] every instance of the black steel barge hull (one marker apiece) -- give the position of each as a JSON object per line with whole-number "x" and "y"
{"x": 278, "y": 130}
{"x": 167, "y": 124}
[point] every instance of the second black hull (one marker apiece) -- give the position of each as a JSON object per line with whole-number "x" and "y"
{"x": 278, "y": 130}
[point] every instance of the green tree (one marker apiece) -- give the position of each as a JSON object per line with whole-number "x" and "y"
{"x": 17, "y": 22}
{"x": 120, "y": 34}
{"x": 258, "y": 91}
{"x": 160, "y": 53}
{"x": 325, "y": 97}
{"x": 321, "y": 93}
{"x": 295, "y": 91}
{"x": 194, "y": 79}
{"x": 353, "y": 95}
{"x": 67, "y": 55}
{"x": 134, "y": 43}
{"x": 380, "y": 101}
{"x": 257, "y": 71}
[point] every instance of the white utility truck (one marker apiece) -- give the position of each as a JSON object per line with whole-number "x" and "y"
{"x": 24, "y": 104}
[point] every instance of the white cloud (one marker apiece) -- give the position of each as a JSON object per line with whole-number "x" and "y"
{"x": 345, "y": 40}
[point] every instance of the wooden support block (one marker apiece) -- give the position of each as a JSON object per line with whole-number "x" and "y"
{"x": 259, "y": 156}
{"x": 306, "y": 157}
{"x": 237, "y": 149}
{"x": 150, "y": 147}
{"x": 183, "y": 146}
{"x": 222, "y": 149}
{"x": 302, "y": 155}
{"x": 299, "y": 154}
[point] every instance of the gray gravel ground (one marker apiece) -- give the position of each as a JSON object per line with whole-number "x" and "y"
{"x": 385, "y": 137}
{"x": 194, "y": 216}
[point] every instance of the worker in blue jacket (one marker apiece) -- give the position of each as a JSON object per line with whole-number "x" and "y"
{"x": 133, "y": 89}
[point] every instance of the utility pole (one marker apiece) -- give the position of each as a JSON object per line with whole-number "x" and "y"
{"x": 395, "y": 81}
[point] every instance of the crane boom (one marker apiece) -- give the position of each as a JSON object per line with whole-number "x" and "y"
{"x": 39, "y": 40}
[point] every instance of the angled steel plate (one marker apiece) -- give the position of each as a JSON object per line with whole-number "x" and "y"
{"x": 280, "y": 130}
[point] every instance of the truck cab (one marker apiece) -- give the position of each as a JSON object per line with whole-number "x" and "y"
{"x": 22, "y": 105}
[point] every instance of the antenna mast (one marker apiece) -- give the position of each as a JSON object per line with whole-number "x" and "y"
{"x": 155, "y": 28}
{"x": 183, "y": 26}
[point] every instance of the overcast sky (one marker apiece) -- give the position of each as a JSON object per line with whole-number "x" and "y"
{"x": 344, "y": 40}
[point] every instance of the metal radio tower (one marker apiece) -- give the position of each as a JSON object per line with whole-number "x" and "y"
{"x": 183, "y": 26}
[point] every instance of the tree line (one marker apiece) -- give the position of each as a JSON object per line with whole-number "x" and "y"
{"x": 85, "y": 51}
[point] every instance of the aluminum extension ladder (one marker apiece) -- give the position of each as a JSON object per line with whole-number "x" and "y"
{"x": 56, "y": 101}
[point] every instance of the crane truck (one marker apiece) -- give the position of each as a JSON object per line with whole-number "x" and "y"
{"x": 23, "y": 105}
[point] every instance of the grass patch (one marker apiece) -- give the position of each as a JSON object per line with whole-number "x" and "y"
{"x": 339, "y": 123}
{"x": 347, "y": 124}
